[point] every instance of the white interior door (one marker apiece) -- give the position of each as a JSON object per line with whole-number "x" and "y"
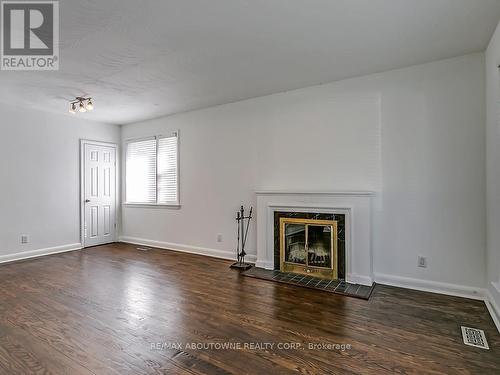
{"x": 99, "y": 194}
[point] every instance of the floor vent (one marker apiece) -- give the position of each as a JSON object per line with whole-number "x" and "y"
{"x": 474, "y": 337}
{"x": 143, "y": 248}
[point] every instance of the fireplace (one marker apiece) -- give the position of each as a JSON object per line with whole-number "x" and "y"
{"x": 310, "y": 243}
{"x": 350, "y": 209}
{"x": 309, "y": 246}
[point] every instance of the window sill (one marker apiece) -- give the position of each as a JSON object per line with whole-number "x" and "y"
{"x": 152, "y": 205}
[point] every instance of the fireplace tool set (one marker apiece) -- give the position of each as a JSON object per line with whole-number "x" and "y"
{"x": 243, "y": 225}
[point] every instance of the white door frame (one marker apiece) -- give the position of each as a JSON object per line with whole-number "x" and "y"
{"x": 84, "y": 142}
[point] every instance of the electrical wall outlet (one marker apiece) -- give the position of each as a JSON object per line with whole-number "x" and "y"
{"x": 219, "y": 237}
{"x": 422, "y": 261}
{"x": 25, "y": 238}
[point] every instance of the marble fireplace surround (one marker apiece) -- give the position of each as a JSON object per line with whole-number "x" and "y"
{"x": 356, "y": 205}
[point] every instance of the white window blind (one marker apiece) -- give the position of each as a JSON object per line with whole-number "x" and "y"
{"x": 167, "y": 170}
{"x": 152, "y": 171}
{"x": 141, "y": 171}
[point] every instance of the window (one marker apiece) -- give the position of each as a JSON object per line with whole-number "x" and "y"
{"x": 151, "y": 171}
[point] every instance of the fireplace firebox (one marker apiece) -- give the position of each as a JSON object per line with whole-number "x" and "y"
{"x": 326, "y": 245}
{"x": 309, "y": 246}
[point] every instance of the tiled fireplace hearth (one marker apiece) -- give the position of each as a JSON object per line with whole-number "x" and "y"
{"x": 324, "y": 234}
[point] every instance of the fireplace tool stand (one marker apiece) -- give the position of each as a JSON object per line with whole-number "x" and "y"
{"x": 243, "y": 223}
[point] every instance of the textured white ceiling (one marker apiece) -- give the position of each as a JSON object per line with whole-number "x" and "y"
{"x": 144, "y": 59}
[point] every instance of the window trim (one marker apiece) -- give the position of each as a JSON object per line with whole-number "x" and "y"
{"x": 172, "y": 204}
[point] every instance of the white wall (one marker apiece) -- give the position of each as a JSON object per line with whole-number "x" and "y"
{"x": 227, "y": 152}
{"x": 40, "y": 178}
{"x": 493, "y": 166}
{"x": 433, "y": 172}
{"x": 415, "y": 136}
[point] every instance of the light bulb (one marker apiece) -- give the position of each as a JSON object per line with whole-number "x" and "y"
{"x": 82, "y": 107}
{"x": 72, "y": 108}
{"x": 90, "y": 105}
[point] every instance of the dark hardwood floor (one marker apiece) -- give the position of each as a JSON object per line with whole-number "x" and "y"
{"x": 116, "y": 310}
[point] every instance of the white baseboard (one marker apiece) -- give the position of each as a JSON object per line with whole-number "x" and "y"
{"x": 214, "y": 253}
{"x": 493, "y": 304}
{"x": 264, "y": 264}
{"x": 431, "y": 286}
{"x": 359, "y": 279}
{"x": 39, "y": 253}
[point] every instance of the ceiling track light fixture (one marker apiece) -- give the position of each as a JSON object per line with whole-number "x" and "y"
{"x": 81, "y": 104}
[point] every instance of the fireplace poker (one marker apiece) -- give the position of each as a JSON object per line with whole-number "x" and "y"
{"x": 241, "y": 258}
{"x": 238, "y": 245}
{"x": 248, "y": 225}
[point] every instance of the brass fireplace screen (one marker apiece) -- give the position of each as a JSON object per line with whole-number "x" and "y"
{"x": 309, "y": 247}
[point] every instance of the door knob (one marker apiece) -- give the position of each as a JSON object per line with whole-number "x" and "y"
{"x": 87, "y": 200}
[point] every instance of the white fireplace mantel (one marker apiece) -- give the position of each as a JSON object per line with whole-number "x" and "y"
{"x": 356, "y": 205}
